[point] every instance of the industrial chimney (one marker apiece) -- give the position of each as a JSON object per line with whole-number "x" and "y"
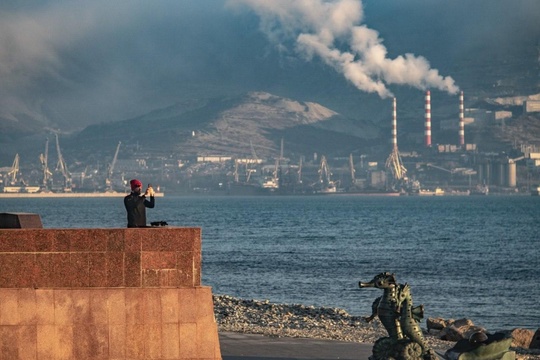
{"x": 427, "y": 132}
{"x": 394, "y": 126}
{"x": 461, "y": 121}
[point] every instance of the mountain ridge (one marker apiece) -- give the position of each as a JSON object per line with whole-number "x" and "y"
{"x": 231, "y": 126}
{"x": 257, "y": 121}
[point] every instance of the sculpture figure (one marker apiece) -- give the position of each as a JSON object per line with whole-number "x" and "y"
{"x": 400, "y": 319}
{"x": 482, "y": 346}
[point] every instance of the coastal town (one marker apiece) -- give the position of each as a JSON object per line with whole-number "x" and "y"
{"x": 425, "y": 168}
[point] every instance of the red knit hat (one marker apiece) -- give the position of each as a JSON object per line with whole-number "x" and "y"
{"x": 135, "y": 184}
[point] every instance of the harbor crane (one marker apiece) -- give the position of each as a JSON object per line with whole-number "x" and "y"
{"x": 440, "y": 168}
{"x": 44, "y": 158}
{"x": 351, "y": 166}
{"x": 108, "y": 181}
{"x": 249, "y": 171}
{"x": 394, "y": 163}
{"x": 61, "y": 165}
{"x": 253, "y": 153}
{"x": 325, "y": 177}
{"x": 236, "y": 177}
{"x": 396, "y": 167}
{"x": 300, "y": 171}
{"x": 14, "y": 171}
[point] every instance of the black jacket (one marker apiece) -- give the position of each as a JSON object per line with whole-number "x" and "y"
{"x": 136, "y": 209}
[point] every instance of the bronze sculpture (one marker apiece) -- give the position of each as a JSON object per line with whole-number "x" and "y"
{"x": 400, "y": 319}
{"x": 482, "y": 346}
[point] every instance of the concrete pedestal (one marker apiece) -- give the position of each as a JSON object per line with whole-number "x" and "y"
{"x": 104, "y": 294}
{"x": 20, "y": 221}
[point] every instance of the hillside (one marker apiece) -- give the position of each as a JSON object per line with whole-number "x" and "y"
{"x": 231, "y": 126}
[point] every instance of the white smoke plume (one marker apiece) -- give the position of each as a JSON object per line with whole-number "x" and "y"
{"x": 333, "y": 31}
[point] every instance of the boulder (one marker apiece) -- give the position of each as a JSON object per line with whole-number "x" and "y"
{"x": 535, "y": 342}
{"x": 521, "y": 337}
{"x": 459, "y": 329}
{"x": 437, "y": 323}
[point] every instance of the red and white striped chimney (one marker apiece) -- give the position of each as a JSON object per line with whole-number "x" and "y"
{"x": 427, "y": 132}
{"x": 461, "y": 121}
{"x": 394, "y": 126}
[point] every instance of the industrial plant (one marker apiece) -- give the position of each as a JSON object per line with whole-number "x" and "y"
{"x": 458, "y": 168}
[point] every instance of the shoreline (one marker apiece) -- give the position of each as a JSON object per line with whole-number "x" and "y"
{"x": 301, "y": 321}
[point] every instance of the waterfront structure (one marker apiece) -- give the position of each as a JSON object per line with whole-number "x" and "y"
{"x": 105, "y": 294}
{"x": 461, "y": 121}
{"x": 427, "y": 131}
{"x": 394, "y": 162}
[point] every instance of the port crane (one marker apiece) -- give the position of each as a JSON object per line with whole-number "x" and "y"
{"x": 325, "y": 177}
{"x": 396, "y": 167}
{"x": 272, "y": 182}
{"x": 14, "y": 171}
{"x": 236, "y": 177}
{"x": 250, "y": 171}
{"x": 394, "y": 163}
{"x": 351, "y": 166}
{"x": 44, "y": 158}
{"x": 440, "y": 168}
{"x": 300, "y": 171}
{"x": 61, "y": 165}
{"x": 108, "y": 181}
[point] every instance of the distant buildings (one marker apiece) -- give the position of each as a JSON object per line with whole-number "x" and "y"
{"x": 530, "y": 106}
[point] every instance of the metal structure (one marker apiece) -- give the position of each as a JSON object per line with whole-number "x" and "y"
{"x": 236, "y": 176}
{"x": 300, "y": 171}
{"x": 461, "y": 121}
{"x": 61, "y": 165}
{"x": 14, "y": 171}
{"x": 272, "y": 182}
{"x": 44, "y": 158}
{"x": 428, "y": 119}
{"x": 394, "y": 163}
{"x": 108, "y": 181}
{"x": 253, "y": 153}
{"x": 351, "y": 167}
{"x": 325, "y": 178}
{"x": 400, "y": 319}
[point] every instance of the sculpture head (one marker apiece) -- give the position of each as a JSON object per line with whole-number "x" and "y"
{"x": 478, "y": 337}
{"x": 384, "y": 280}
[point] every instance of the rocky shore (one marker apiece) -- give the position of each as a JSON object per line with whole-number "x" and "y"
{"x": 282, "y": 320}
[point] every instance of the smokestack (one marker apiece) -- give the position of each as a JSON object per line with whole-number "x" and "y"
{"x": 427, "y": 132}
{"x": 461, "y": 121}
{"x": 394, "y": 126}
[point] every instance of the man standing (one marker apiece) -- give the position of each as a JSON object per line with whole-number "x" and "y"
{"x": 136, "y": 204}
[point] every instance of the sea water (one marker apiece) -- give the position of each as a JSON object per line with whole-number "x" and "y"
{"x": 464, "y": 256}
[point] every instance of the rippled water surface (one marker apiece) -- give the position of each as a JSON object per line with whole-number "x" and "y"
{"x": 475, "y": 257}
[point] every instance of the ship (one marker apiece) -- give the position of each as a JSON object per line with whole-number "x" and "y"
{"x": 454, "y": 192}
{"x": 373, "y": 193}
{"x": 21, "y": 189}
{"x": 480, "y": 190}
{"x": 329, "y": 188}
{"x": 437, "y": 192}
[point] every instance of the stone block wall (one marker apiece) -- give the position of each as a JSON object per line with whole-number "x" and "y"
{"x": 104, "y": 294}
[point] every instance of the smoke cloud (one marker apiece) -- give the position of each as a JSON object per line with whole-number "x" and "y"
{"x": 71, "y": 63}
{"x": 333, "y": 31}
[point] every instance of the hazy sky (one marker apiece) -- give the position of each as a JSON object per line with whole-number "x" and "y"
{"x": 90, "y": 61}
